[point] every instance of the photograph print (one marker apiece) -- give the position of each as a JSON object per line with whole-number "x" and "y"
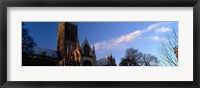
{"x": 123, "y": 43}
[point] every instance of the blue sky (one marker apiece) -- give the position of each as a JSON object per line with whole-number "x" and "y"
{"x": 108, "y": 37}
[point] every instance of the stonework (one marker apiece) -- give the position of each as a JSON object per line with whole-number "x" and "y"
{"x": 68, "y": 47}
{"x": 68, "y": 53}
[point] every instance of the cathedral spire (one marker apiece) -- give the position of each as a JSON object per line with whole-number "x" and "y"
{"x": 61, "y": 24}
{"x": 93, "y": 49}
{"x": 67, "y": 42}
{"x": 77, "y": 44}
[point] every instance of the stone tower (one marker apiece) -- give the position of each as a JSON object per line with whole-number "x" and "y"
{"x": 68, "y": 44}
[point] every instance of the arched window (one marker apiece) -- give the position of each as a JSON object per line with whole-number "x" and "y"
{"x": 87, "y": 63}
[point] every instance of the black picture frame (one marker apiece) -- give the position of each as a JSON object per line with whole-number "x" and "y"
{"x": 98, "y": 3}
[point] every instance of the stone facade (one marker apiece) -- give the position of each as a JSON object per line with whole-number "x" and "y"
{"x": 68, "y": 47}
{"x": 68, "y": 53}
{"x": 88, "y": 56}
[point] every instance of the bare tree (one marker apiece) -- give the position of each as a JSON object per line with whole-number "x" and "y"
{"x": 27, "y": 41}
{"x": 150, "y": 60}
{"x": 133, "y": 57}
{"x": 169, "y": 49}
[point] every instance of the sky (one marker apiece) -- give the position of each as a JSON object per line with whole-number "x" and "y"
{"x": 108, "y": 37}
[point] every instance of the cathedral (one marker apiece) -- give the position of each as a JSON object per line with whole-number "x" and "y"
{"x": 69, "y": 49}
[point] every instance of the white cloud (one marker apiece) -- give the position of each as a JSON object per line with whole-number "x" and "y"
{"x": 151, "y": 27}
{"x": 165, "y": 40}
{"x": 129, "y": 37}
{"x": 155, "y": 38}
{"x": 163, "y": 29}
{"x": 117, "y": 43}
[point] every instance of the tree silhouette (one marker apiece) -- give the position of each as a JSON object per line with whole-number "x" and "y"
{"x": 27, "y": 41}
{"x": 150, "y": 60}
{"x": 133, "y": 57}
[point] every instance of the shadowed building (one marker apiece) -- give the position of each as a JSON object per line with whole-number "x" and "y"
{"x": 106, "y": 61}
{"x": 40, "y": 57}
{"x": 69, "y": 52}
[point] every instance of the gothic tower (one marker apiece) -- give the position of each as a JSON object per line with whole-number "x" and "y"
{"x": 68, "y": 44}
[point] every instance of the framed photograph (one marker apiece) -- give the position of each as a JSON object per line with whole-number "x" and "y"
{"x": 121, "y": 43}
